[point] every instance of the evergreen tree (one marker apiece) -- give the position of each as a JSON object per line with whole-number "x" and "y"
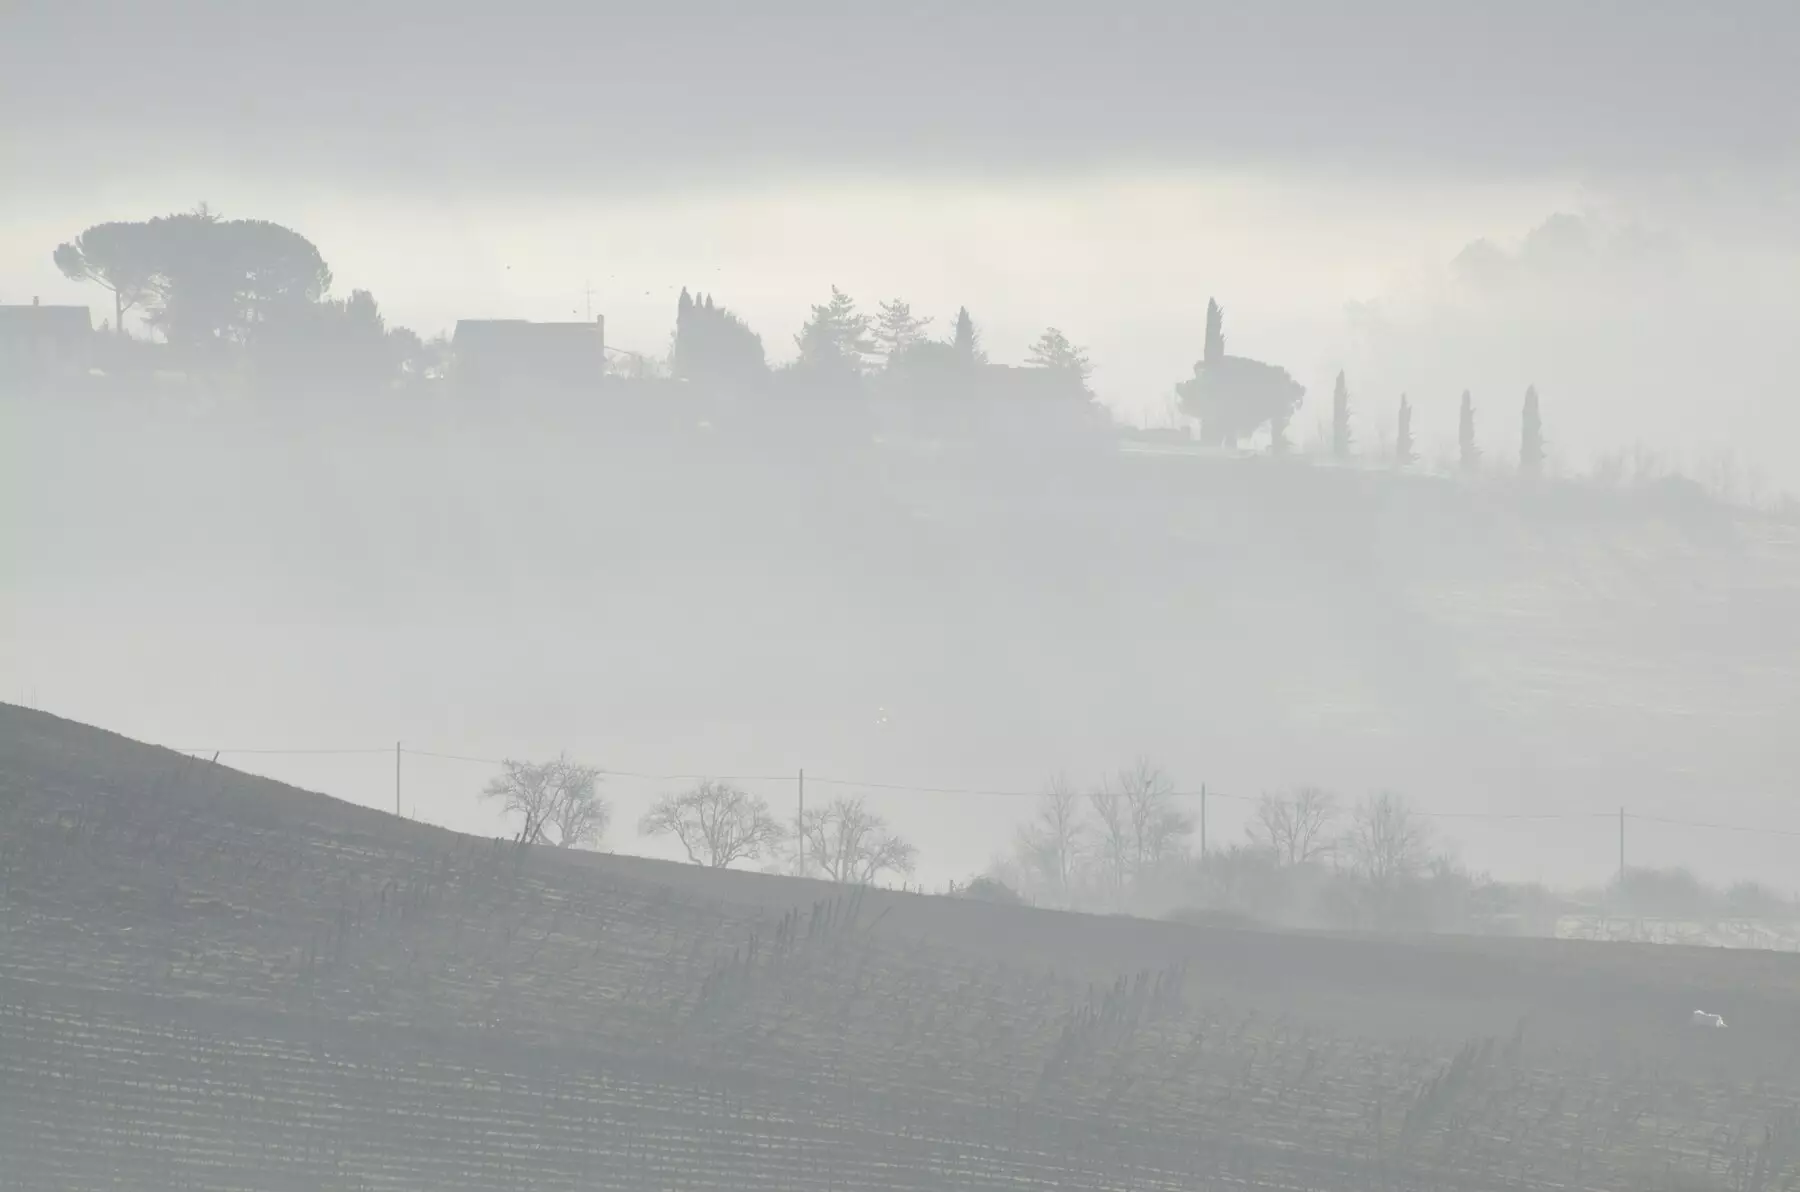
{"x": 897, "y": 329}
{"x": 1054, "y": 351}
{"x": 1404, "y": 454}
{"x": 1531, "y": 436}
{"x": 1214, "y": 350}
{"x": 1234, "y": 396}
{"x": 712, "y": 344}
{"x": 967, "y": 340}
{"x": 1279, "y": 444}
{"x": 836, "y": 338}
{"x": 1340, "y": 419}
{"x": 1465, "y": 435}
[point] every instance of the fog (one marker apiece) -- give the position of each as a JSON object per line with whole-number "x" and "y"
{"x": 934, "y": 595}
{"x": 1428, "y": 199}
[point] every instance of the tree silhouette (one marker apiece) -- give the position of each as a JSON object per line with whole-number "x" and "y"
{"x": 966, "y": 340}
{"x": 116, "y": 257}
{"x": 557, "y": 801}
{"x": 1139, "y": 825}
{"x": 1387, "y": 842}
{"x": 713, "y": 344}
{"x": 897, "y": 329}
{"x": 716, "y": 823}
{"x": 1054, "y": 351}
{"x": 1279, "y": 443}
{"x": 1340, "y": 419}
{"x": 1233, "y": 397}
{"x": 1050, "y": 847}
{"x": 1404, "y": 453}
{"x": 836, "y": 338}
{"x": 1467, "y": 449}
{"x": 851, "y": 844}
{"x": 1531, "y": 436}
{"x": 340, "y": 340}
{"x": 1296, "y": 829}
{"x": 215, "y": 280}
{"x": 1214, "y": 347}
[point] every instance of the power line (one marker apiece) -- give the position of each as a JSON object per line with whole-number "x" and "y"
{"x": 456, "y": 757}
{"x": 284, "y": 752}
{"x": 1682, "y": 823}
{"x": 498, "y": 761}
{"x": 993, "y": 792}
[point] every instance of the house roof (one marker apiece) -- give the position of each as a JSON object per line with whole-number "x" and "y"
{"x": 523, "y": 336}
{"x": 65, "y": 322}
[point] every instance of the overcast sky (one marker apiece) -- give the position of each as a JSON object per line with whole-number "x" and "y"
{"x": 549, "y": 91}
{"x": 1319, "y": 167}
{"x": 1600, "y": 198}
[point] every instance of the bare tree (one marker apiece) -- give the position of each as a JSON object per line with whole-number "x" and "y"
{"x": 1387, "y": 842}
{"x": 1157, "y": 825}
{"x": 1113, "y": 829}
{"x": 1295, "y": 829}
{"x": 1049, "y": 847}
{"x": 1139, "y": 825}
{"x": 716, "y": 823}
{"x": 850, "y": 844}
{"x": 557, "y": 801}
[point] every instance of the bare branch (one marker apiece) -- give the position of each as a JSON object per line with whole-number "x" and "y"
{"x": 848, "y": 843}
{"x": 557, "y": 801}
{"x": 1387, "y": 843}
{"x": 716, "y": 823}
{"x": 1295, "y": 829}
{"x": 1049, "y": 847}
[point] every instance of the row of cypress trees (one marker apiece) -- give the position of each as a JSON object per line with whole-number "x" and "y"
{"x": 1531, "y": 431}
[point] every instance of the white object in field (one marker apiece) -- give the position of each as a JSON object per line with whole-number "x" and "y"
{"x": 1702, "y": 1018}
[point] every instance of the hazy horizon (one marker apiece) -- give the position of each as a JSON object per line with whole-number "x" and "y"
{"x": 1601, "y": 201}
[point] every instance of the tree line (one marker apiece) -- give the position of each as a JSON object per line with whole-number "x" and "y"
{"x": 717, "y": 825}
{"x": 1127, "y": 843}
{"x": 1234, "y": 398}
{"x": 256, "y": 292}
{"x": 840, "y": 346}
{"x": 260, "y": 292}
{"x": 242, "y": 291}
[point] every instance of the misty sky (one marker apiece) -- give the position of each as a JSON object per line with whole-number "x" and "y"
{"x": 1105, "y": 169}
{"x": 1601, "y": 199}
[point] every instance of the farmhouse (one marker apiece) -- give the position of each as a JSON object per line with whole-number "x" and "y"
{"x": 491, "y": 354}
{"x": 42, "y": 341}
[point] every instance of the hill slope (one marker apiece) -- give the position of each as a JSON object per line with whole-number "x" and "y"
{"x": 764, "y": 595}
{"x": 208, "y": 980}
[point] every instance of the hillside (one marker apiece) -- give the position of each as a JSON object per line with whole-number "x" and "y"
{"x": 209, "y": 980}
{"x": 666, "y": 587}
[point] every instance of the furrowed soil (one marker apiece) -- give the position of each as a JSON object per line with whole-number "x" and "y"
{"x": 210, "y": 980}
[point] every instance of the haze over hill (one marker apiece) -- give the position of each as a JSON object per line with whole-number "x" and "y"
{"x": 1235, "y": 567}
{"x": 518, "y": 580}
{"x": 1321, "y": 169}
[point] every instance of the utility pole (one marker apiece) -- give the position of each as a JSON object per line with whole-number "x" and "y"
{"x": 1203, "y": 821}
{"x": 800, "y": 823}
{"x": 396, "y": 778}
{"x": 1621, "y": 852}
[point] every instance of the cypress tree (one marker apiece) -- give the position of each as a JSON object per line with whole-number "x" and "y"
{"x": 1531, "y": 436}
{"x": 966, "y": 340}
{"x": 1340, "y": 419}
{"x": 1465, "y": 435}
{"x": 1404, "y": 455}
{"x": 1215, "y": 332}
